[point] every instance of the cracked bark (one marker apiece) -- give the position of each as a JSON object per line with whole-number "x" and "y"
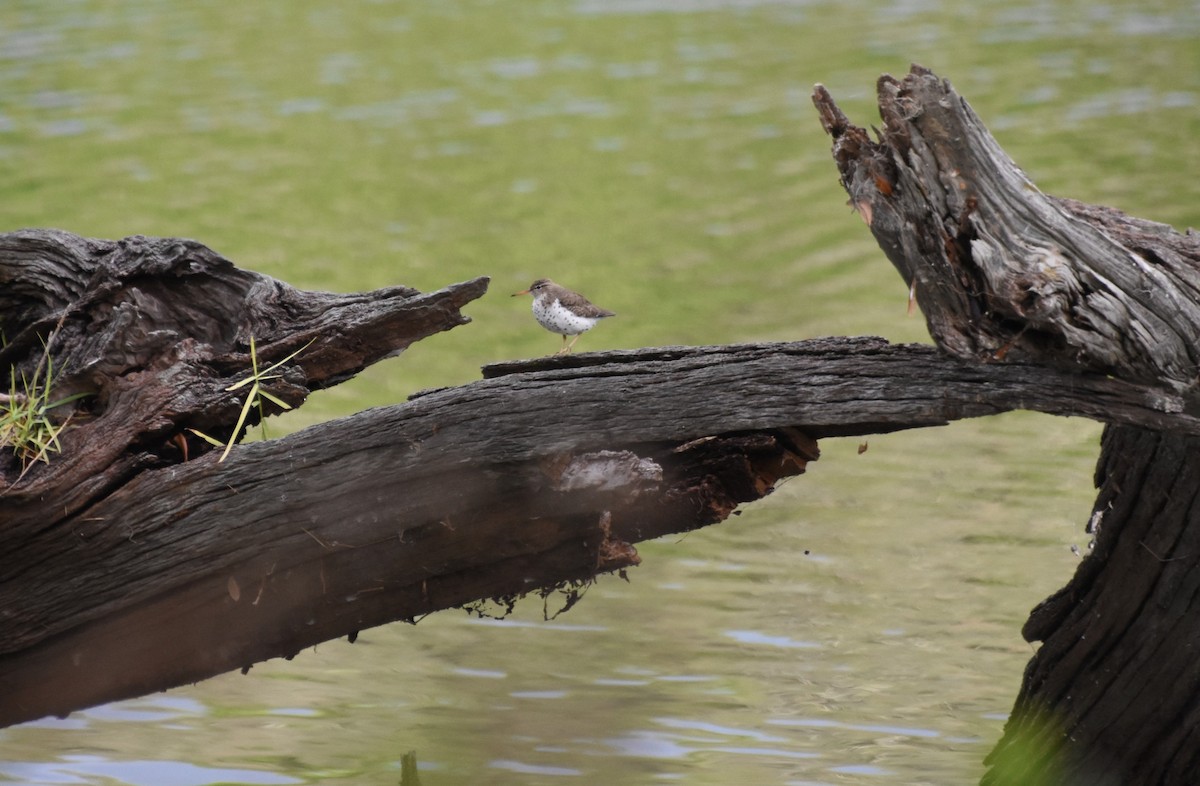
{"x": 1003, "y": 274}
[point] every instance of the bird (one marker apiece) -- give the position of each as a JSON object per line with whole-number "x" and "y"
{"x": 562, "y": 311}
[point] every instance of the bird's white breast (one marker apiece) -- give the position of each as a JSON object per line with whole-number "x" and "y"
{"x": 557, "y": 318}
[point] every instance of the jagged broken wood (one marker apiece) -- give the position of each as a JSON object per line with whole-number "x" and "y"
{"x": 1005, "y": 273}
{"x": 153, "y": 332}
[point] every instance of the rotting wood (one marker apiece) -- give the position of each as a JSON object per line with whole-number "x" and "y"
{"x": 154, "y": 331}
{"x": 1005, "y": 273}
{"x": 1001, "y": 270}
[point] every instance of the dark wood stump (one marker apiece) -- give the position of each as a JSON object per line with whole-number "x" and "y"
{"x": 1112, "y": 695}
{"x": 1005, "y": 273}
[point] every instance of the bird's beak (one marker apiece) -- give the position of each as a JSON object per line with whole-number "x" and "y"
{"x": 522, "y": 292}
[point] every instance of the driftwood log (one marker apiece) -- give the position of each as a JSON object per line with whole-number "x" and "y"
{"x": 135, "y": 560}
{"x": 545, "y": 472}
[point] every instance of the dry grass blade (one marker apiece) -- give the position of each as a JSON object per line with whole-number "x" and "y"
{"x": 255, "y": 396}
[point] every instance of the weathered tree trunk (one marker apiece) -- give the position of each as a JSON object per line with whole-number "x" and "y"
{"x": 135, "y": 560}
{"x": 1005, "y": 273}
{"x": 1113, "y": 696}
{"x": 544, "y": 473}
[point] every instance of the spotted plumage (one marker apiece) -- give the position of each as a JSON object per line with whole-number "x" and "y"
{"x": 562, "y": 311}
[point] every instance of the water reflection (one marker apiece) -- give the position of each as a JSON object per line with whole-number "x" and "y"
{"x": 756, "y": 637}
{"x": 532, "y": 769}
{"x": 86, "y": 769}
{"x": 166, "y": 712}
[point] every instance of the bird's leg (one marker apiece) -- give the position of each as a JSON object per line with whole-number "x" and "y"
{"x": 564, "y": 349}
{"x": 571, "y": 346}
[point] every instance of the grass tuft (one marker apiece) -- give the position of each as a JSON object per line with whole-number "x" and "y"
{"x": 26, "y": 427}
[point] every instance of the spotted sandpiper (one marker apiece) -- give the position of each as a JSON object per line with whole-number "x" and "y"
{"x": 562, "y": 311}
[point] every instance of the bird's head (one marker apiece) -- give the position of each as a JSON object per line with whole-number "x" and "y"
{"x": 535, "y": 288}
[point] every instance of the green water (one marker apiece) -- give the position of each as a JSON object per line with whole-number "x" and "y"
{"x": 861, "y": 626}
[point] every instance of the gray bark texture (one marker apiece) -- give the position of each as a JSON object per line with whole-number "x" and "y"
{"x": 1007, "y": 274}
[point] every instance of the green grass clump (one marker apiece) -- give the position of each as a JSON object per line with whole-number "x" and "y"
{"x": 26, "y": 427}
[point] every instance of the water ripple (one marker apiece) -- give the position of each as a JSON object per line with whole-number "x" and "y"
{"x": 70, "y": 769}
{"x": 532, "y": 769}
{"x": 755, "y": 637}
